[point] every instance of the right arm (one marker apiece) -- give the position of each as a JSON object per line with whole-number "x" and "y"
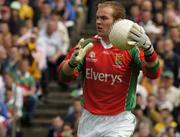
{"x": 65, "y": 72}
{"x": 68, "y": 68}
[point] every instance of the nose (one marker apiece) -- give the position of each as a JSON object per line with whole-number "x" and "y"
{"x": 98, "y": 21}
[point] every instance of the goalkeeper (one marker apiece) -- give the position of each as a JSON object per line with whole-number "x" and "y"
{"x": 109, "y": 75}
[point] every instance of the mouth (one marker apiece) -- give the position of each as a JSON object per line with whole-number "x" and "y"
{"x": 99, "y": 29}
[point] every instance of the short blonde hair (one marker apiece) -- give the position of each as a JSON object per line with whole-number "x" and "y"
{"x": 118, "y": 9}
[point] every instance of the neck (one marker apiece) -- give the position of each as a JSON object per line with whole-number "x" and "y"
{"x": 106, "y": 40}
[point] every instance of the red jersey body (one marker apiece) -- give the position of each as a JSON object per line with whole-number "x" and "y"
{"x": 110, "y": 78}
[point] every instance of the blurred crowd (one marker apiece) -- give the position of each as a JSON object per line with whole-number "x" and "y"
{"x": 158, "y": 101}
{"x": 34, "y": 39}
{"x": 35, "y": 36}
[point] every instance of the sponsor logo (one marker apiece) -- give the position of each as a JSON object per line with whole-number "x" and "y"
{"x": 91, "y": 57}
{"x": 103, "y": 77}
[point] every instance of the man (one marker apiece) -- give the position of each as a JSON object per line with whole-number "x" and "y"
{"x": 109, "y": 76}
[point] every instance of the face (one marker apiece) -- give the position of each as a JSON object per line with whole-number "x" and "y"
{"x": 51, "y": 26}
{"x": 146, "y": 16}
{"x": 104, "y": 21}
{"x": 135, "y": 11}
{"x": 24, "y": 65}
{"x": 168, "y": 45}
{"x": 161, "y": 94}
{"x": 174, "y": 33}
{"x": 8, "y": 80}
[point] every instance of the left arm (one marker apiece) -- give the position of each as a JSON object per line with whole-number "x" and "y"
{"x": 150, "y": 65}
{"x": 148, "y": 56}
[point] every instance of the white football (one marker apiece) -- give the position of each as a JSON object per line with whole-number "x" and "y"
{"x": 119, "y": 34}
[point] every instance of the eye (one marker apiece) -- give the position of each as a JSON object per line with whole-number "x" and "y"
{"x": 104, "y": 18}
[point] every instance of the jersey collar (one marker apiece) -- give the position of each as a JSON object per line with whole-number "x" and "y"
{"x": 106, "y": 46}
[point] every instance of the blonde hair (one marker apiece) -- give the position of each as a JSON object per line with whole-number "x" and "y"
{"x": 118, "y": 9}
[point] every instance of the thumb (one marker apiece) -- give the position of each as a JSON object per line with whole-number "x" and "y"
{"x": 80, "y": 43}
{"x": 82, "y": 52}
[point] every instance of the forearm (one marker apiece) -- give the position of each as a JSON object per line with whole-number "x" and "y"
{"x": 67, "y": 69}
{"x": 151, "y": 63}
{"x": 66, "y": 73}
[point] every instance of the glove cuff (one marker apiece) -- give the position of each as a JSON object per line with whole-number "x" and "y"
{"x": 148, "y": 51}
{"x": 72, "y": 65}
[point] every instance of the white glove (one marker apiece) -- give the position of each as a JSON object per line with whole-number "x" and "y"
{"x": 80, "y": 51}
{"x": 138, "y": 37}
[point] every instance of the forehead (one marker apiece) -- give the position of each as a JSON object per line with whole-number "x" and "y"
{"x": 105, "y": 11}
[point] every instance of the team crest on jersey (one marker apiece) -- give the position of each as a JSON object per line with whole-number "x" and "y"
{"x": 118, "y": 59}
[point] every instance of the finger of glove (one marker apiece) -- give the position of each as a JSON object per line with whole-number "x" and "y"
{"x": 135, "y": 31}
{"x": 142, "y": 29}
{"x": 133, "y": 37}
{"x": 137, "y": 27}
{"x": 83, "y": 51}
{"x": 87, "y": 47}
{"x": 80, "y": 43}
{"x": 131, "y": 42}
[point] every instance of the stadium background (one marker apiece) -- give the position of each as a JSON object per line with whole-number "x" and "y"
{"x": 35, "y": 36}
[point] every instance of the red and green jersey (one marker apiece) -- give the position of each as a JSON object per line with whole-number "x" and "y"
{"x": 110, "y": 78}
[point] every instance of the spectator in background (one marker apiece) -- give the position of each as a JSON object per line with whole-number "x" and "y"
{"x": 56, "y": 127}
{"x": 141, "y": 93}
{"x": 3, "y": 57}
{"x": 146, "y": 5}
{"x": 3, "y": 109}
{"x": 67, "y": 131}
{"x": 172, "y": 61}
{"x": 65, "y": 10}
{"x": 75, "y": 113}
{"x": 135, "y": 13}
{"x": 144, "y": 130}
{"x": 2, "y": 2}
{"x": 175, "y": 36}
{"x": 11, "y": 64}
{"x": 50, "y": 39}
{"x": 159, "y": 23}
{"x": 45, "y": 15}
{"x": 26, "y": 11}
{"x": 3, "y": 127}
{"x": 166, "y": 124}
{"x": 63, "y": 30}
{"x": 15, "y": 22}
{"x": 177, "y": 118}
{"x": 151, "y": 110}
{"x": 4, "y": 28}
{"x": 141, "y": 118}
{"x": 27, "y": 82}
{"x": 158, "y": 6}
{"x": 5, "y": 13}
{"x": 159, "y": 46}
{"x": 170, "y": 18}
{"x": 79, "y": 9}
{"x": 162, "y": 101}
{"x": 172, "y": 93}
